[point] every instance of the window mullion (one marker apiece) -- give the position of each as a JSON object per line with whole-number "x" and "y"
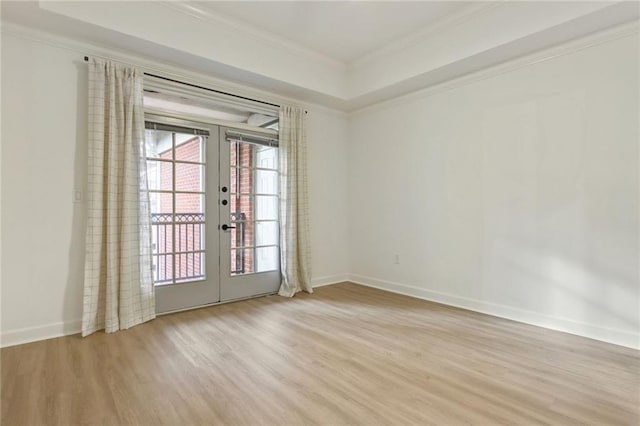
{"x": 173, "y": 188}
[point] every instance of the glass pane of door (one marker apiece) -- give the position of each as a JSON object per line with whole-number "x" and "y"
{"x": 182, "y": 175}
{"x": 177, "y": 192}
{"x": 254, "y": 207}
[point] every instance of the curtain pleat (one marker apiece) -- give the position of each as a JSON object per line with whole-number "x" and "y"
{"x": 295, "y": 255}
{"x": 118, "y": 284}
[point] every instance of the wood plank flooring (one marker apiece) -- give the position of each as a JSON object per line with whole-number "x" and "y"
{"x": 345, "y": 355}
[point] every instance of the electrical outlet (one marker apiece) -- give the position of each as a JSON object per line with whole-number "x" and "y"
{"x": 77, "y": 196}
{"x": 396, "y": 259}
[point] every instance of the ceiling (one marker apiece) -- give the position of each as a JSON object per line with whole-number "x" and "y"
{"x": 342, "y": 30}
{"x": 341, "y": 54}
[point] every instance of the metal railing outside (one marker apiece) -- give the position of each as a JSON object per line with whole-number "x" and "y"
{"x": 177, "y": 257}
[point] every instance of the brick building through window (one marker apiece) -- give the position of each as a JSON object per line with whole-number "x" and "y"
{"x": 176, "y": 175}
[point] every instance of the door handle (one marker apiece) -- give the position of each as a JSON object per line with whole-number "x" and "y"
{"x": 225, "y": 227}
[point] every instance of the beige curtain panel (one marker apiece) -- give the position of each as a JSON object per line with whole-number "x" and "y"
{"x": 118, "y": 283}
{"x": 294, "y": 203}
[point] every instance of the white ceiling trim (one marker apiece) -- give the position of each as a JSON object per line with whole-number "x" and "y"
{"x": 83, "y": 48}
{"x": 279, "y": 91}
{"x": 631, "y": 29}
{"x": 219, "y": 49}
{"x": 422, "y": 34}
{"x": 187, "y": 8}
{"x": 496, "y": 35}
{"x": 146, "y": 64}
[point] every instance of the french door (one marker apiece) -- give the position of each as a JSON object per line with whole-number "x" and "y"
{"x": 212, "y": 198}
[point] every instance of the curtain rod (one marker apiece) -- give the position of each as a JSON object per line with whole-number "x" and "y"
{"x": 86, "y": 59}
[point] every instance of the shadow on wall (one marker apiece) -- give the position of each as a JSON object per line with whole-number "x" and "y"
{"x": 560, "y": 277}
{"x": 72, "y": 309}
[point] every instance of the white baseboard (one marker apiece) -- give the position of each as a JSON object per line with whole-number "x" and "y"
{"x": 609, "y": 335}
{"x": 328, "y": 280}
{"x": 44, "y": 332}
{"x": 617, "y": 337}
{"x": 34, "y": 334}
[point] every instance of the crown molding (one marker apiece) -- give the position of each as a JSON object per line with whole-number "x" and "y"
{"x": 630, "y": 29}
{"x": 189, "y": 8}
{"x": 349, "y": 109}
{"x": 470, "y": 12}
{"x": 82, "y": 48}
{"x": 192, "y": 10}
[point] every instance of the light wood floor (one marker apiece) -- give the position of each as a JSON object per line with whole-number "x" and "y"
{"x": 344, "y": 355}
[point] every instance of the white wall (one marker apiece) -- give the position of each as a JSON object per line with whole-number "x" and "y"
{"x": 44, "y": 162}
{"x": 516, "y": 195}
{"x": 327, "y": 154}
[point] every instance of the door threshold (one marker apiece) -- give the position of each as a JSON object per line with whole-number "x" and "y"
{"x": 208, "y": 305}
